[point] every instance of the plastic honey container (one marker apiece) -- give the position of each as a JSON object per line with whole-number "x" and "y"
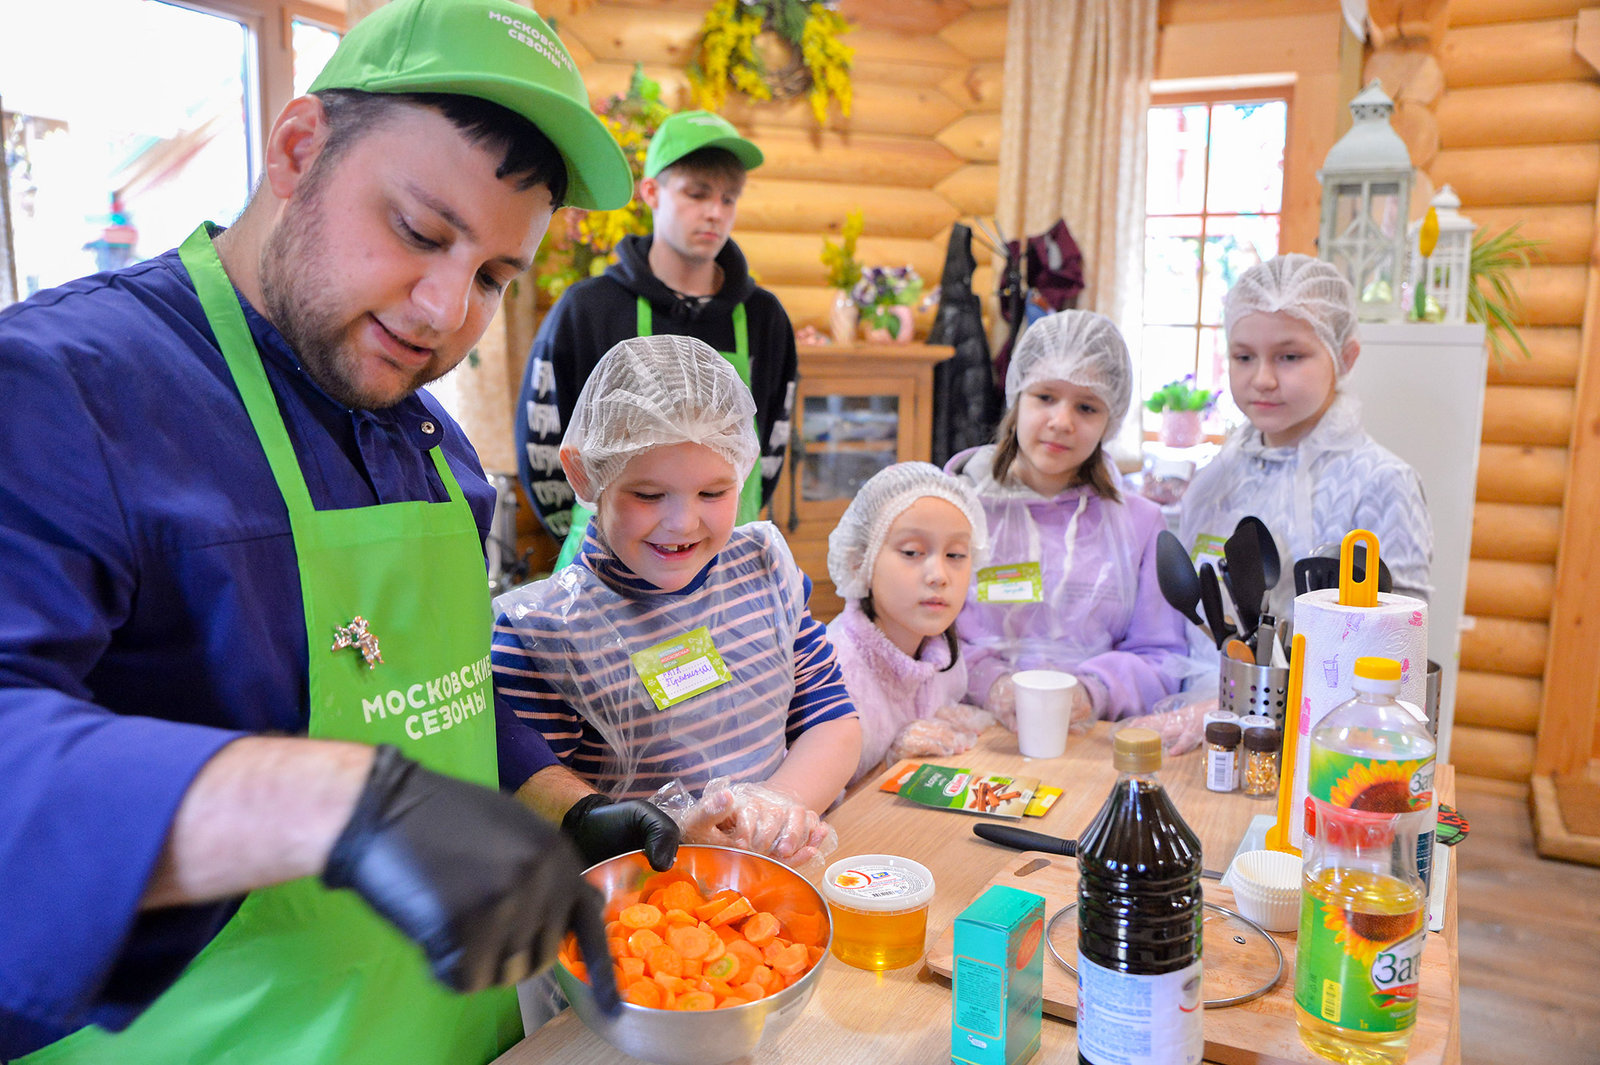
{"x": 879, "y": 906}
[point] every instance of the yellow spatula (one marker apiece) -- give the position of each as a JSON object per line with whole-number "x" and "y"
{"x": 1278, "y": 835}
{"x": 1351, "y": 591}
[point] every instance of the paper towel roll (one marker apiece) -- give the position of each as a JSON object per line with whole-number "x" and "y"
{"x": 1336, "y": 636}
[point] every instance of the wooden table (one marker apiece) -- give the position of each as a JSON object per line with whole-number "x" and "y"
{"x": 904, "y": 1015}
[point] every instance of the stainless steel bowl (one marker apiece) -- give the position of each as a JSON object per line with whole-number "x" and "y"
{"x": 703, "y": 1037}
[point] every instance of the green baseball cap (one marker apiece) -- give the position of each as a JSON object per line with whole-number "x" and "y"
{"x": 689, "y": 131}
{"x": 497, "y": 51}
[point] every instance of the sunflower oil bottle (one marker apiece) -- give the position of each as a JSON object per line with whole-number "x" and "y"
{"x": 1364, "y": 909}
{"x": 1139, "y": 919}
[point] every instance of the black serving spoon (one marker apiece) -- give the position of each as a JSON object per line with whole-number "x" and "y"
{"x": 1177, "y": 577}
{"x": 1211, "y": 599}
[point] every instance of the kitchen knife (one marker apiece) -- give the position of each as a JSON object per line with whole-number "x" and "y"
{"x": 1023, "y": 840}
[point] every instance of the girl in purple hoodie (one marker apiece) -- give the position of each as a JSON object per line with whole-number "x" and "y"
{"x": 901, "y": 556}
{"x": 1071, "y": 582}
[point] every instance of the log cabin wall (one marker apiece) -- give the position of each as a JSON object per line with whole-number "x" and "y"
{"x": 919, "y": 151}
{"x": 1518, "y": 137}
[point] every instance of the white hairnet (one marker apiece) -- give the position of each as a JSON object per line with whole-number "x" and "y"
{"x": 1081, "y": 348}
{"x": 656, "y": 391}
{"x": 854, "y": 544}
{"x": 1309, "y": 289}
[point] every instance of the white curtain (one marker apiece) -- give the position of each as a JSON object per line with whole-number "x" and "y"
{"x": 1077, "y": 86}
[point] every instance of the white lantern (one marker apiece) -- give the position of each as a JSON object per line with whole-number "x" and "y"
{"x": 1449, "y": 268}
{"x": 1366, "y": 199}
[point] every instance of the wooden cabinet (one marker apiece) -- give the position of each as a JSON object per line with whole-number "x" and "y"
{"x": 858, "y": 408}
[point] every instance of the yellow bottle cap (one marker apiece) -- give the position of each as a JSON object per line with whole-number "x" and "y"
{"x": 1375, "y": 668}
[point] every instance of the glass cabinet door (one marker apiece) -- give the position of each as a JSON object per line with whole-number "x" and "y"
{"x": 845, "y": 440}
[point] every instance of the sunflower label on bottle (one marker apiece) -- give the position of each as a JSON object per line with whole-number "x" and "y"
{"x": 1369, "y": 800}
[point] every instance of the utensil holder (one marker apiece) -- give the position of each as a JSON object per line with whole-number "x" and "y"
{"x": 1246, "y": 688}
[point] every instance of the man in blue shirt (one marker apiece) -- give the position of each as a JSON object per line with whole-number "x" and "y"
{"x": 244, "y": 656}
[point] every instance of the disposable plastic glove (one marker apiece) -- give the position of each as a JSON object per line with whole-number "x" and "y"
{"x": 1002, "y": 701}
{"x": 929, "y": 737}
{"x": 482, "y": 884}
{"x": 750, "y": 816}
{"x": 604, "y": 829}
{"x": 965, "y": 717}
{"x": 1082, "y": 709}
{"x": 1181, "y": 728}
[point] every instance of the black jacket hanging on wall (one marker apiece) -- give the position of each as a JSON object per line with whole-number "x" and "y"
{"x": 966, "y": 399}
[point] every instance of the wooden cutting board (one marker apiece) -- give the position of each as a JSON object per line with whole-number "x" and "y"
{"x": 1259, "y": 1032}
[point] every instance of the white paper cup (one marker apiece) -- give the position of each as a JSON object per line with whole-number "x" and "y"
{"x": 1044, "y": 711}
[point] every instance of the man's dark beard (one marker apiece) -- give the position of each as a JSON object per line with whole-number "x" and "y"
{"x": 286, "y": 269}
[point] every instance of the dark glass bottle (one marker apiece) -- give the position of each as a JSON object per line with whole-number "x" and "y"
{"x": 1139, "y": 918}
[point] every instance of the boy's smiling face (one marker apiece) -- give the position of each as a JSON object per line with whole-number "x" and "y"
{"x": 671, "y": 510}
{"x": 1280, "y": 374}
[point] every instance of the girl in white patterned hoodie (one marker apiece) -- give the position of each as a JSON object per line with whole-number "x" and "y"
{"x": 902, "y": 556}
{"x": 1303, "y": 464}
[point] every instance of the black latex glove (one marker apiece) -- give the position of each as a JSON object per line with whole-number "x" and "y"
{"x": 486, "y": 887}
{"x": 603, "y": 829}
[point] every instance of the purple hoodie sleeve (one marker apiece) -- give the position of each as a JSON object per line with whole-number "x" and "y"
{"x": 1145, "y": 663}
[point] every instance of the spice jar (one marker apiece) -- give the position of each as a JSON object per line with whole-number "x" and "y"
{"x": 1222, "y": 756}
{"x": 1261, "y": 760}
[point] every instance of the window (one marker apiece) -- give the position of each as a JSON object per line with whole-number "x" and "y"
{"x": 154, "y": 125}
{"x": 1214, "y": 196}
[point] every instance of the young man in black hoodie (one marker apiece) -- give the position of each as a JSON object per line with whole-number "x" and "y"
{"x": 687, "y": 278}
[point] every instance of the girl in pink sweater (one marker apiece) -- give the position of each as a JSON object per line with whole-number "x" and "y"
{"x": 902, "y": 556}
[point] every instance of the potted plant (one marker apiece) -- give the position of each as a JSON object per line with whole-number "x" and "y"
{"x": 1180, "y": 405}
{"x": 844, "y": 272}
{"x": 886, "y": 296}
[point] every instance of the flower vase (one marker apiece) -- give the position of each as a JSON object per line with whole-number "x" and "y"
{"x": 843, "y": 318}
{"x": 907, "y": 323}
{"x": 1180, "y": 428}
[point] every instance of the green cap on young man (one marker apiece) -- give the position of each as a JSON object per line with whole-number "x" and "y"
{"x": 497, "y": 51}
{"x": 689, "y": 131}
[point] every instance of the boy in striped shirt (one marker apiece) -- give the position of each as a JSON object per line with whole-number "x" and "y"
{"x": 679, "y": 651}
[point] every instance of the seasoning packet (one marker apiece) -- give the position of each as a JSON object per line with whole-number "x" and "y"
{"x": 956, "y": 788}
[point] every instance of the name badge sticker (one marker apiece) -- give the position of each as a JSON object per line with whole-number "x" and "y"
{"x": 1018, "y": 582}
{"x": 680, "y": 668}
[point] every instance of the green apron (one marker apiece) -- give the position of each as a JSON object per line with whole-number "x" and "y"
{"x": 749, "y": 495}
{"x": 302, "y": 974}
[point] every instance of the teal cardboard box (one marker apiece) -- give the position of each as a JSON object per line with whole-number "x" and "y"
{"x": 998, "y": 978}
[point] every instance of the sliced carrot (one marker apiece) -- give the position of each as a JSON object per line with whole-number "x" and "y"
{"x": 580, "y": 970}
{"x": 645, "y": 993}
{"x": 750, "y": 990}
{"x": 760, "y": 929}
{"x": 814, "y": 953}
{"x": 718, "y": 946}
{"x": 804, "y": 927}
{"x": 768, "y": 978}
{"x": 677, "y": 917}
{"x": 696, "y": 1000}
{"x": 641, "y": 915}
{"x": 718, "y": 988}
{"x": 658, "y": 881}
{"x": 792, "y": 960}
{"x": 614, "y": 930}
{"x": 682, "y": 895}
{"x": 664, "y": 959}
{"x": 640, "y": 942}
{"x": 733, "y": 1000}
{"x": 631, "y": 969}
{"x": 656, "y": 898}
{"x": 619, "y": 946}
{"x": 691, "y": 942}
{"x": 738, "y": 908}
{"x": 716, "y": 904}
{"x": 727, "y": 933}
{"x": 724, "y": 968}
{"x": 748, "y": 957}
{"x": 672, "y": 984}
{"x": 620, "y": 903}
{"x": 692, "y": 967}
